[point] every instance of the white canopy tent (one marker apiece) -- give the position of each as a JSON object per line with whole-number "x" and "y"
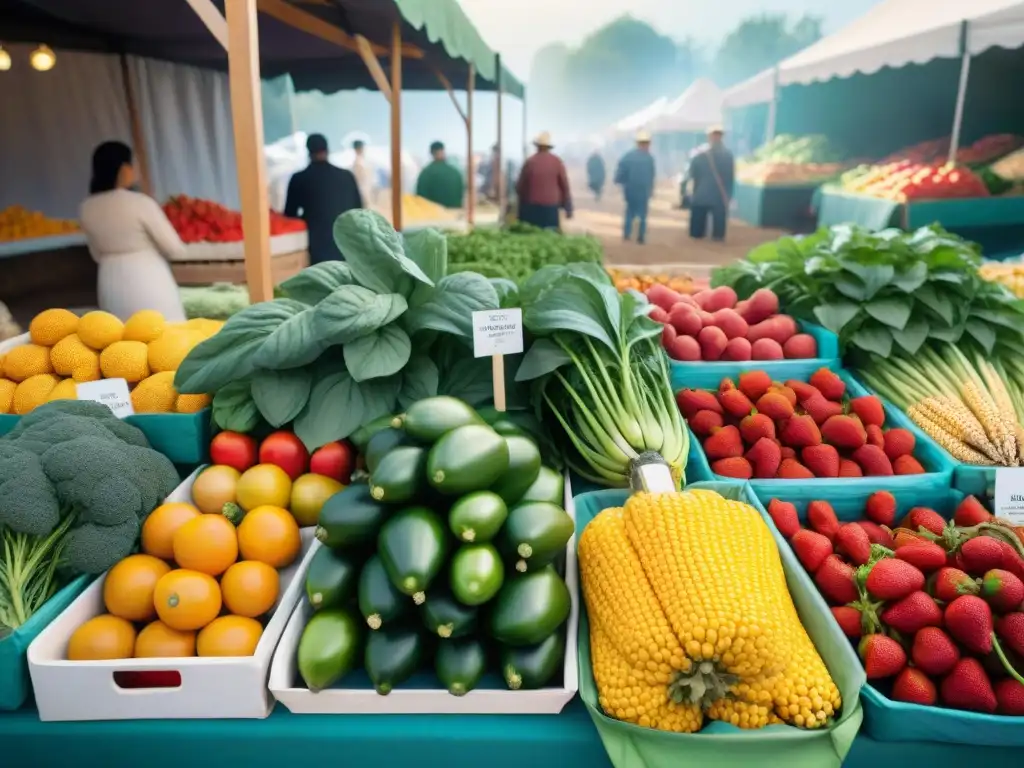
{"x": 698, "y": 108}
{"x": 640, "y": 119}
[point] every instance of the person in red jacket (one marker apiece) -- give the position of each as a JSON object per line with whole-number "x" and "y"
{"x": 543, "y": 187}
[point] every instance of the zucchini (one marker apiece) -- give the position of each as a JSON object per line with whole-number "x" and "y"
{"x": 328, "y": 648}
{"x": 532, "y": 666}
{"x": 477, "y": 517}
{"x": 507, "y": 428}
{"x": 549, "y": 486}
{"x": 392, "y": 655}
{"x": 530, "y": 607}
{"x": 331, "y": 579}
{"x": 428, "y": 419}
{"x": 467, "y": 459}
{"x": 534, "y": 534}
{"x": 400, "y": 475}
{"x": 460, "y": 664}
{"x": 446, "y": 617}
{"x": 477, "y": 574}
{"x": 523, "y": 469}
{"x": 362, "y": 436}
{"x": 379, "y": 601}
{"x": 350, "y": 519}
{"x": 413, "y": 545}
{"x": 381, "y": 444}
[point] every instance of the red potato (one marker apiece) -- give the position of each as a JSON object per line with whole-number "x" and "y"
{"x": 722, "y": 297}
{"x": 729, "y": 321}
{"x": 658, "y": 314}
{"x": 706, "y": 318}
{"x": 737, "y": 349}
{"x": 668, "y": 335}
{"x": 762, "y": 304}
{"x": 712, "y": 342}
{"x": 685, "y": 319}
{"x": 766, "y": 349}
{"x": 662, "y": 296}
{"x": 686, "y": 298}
{"x": 685, "y": 349}
{"x": 702, "y": 298}
{"x": 778, "y": 328}
{"x": 801, "y": 346}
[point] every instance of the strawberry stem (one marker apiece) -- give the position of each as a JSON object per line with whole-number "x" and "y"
{"x": 1005, "y": 661}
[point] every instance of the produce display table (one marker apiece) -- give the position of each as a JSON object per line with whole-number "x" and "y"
{"x": 775, "y": 206}
{"x": 44, "y": 272}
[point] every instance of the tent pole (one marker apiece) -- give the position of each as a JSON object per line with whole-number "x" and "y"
{"x": 498, "y": 159}
{"x": 247, "y": 119}
{"x": 773, "y": 106}
{"x": 961, "y": 94}
{"x": 470, "y": 164}
{"x": 396, "y": 126}
{"x": 138, "y": 136}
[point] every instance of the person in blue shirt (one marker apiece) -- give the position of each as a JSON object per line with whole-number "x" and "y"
{"x": 713, "y": 172}
{"x": 595, "y": 174}
{"x": 635, "y": 175}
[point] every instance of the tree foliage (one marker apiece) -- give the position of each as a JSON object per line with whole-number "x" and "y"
{"x": 761, "y": 42}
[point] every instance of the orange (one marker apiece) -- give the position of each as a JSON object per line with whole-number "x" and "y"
{"x": 187, "y": 600}
{"x": 102, "y": 638}
{"x": 271, "y": 535}
{"x": 214, "y": 487}
{"x": 158, "y": 641}
{"x": 229, "y": 636}
{"x": 250, "y": 588}
{"x": 263, "y": 485}
{"x": 309, "y": 492}
{"x": 128, "y": 588}
{"x": 158, "y": 530}
{"x": 207, "y": 544}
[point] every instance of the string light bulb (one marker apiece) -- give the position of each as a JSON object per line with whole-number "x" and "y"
{"x": 43, "y": 59}
{"x": 5, "y": 60}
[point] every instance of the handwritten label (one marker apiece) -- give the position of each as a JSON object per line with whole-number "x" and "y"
{"x": 1009, "y": 497}
{"x": 497, "y": 332}
{"x": 112, "y": 393}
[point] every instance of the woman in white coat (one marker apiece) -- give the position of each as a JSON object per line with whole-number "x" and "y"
{"x": 130, "y": 239}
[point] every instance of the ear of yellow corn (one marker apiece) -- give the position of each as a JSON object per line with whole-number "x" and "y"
{"x": 954, "y": 445}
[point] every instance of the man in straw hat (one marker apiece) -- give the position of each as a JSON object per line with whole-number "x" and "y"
{"x": 635, "y": 175}
{"x": 712, "y": 172}
{"x": 543, "y": 186}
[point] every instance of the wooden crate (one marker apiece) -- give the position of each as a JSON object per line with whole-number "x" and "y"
{"x": 282, "y": 267}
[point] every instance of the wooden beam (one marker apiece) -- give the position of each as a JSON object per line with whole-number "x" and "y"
{"x": 451, "y": 92}
{"x": 213, "y": 19}
{"x": 470, "y": 164}
{"x": 138, "y": 137}
{"x": 373, "y": 64}
{"x": 396, "y": 126}
{"x": 247, "y": 120}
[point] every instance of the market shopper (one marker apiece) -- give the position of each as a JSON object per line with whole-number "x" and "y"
{"x": 596, "y": 174}
{"x": 712, "y": 172}
{"x": 543, "y": 186}
{"x": 440, "y": 182}
{"x": 319, "y": 194}
{"x": 365, "y": 173}
{"x": 130, "y": 239}
{"x": 635, "y": 175}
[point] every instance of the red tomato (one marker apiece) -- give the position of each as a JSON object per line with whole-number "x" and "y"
{"x": 234, "y": 449}
{"x": 286, "y": 451}
{"x": 334, "y": 460}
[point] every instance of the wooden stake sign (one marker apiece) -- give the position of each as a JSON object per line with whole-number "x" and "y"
{"x": 496, "y": 333}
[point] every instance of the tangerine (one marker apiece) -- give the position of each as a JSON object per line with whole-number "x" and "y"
{"x": 214, "y": 488}
{"x": 128, "y": 588}
{"x": 271, "y": 535}
{"x": 309, "y": 493}
{"x": 158, "y": 641}
{"x": 102, "y": 638}
{"x": 250, "y": 588}
{"x": 263, "y": 485}
{"x": 229, "y": 636}
{"x": 159, "y": 528}
{"x": 187, "y": 600}
{"x": 207, "y": 544}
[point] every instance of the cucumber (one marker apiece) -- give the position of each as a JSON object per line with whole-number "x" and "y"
{"x": 477, "y": 574}
{"x": 534, "y": 534}
{"x": 532, "y": 666}
{"x": 507, "y": 428}
{"x": 379, "y": 601}
{"x": 328, "y": 648}
{"x": 523, "y": 469}
{"x": 392, "y": 655}
{"x": 413, "y": 545}
{"x": 446, "y": 617}
{"x": 460, "y": 664}
{"x": 467, "y": 459}
{"x": 530, "y": 607}
{"x": 362, "y": 436}
{"x": 549, "y": 486}
{"x": 477, "y": 517}
{"x": 432, "y": 417}
{"x": 400, "y": 475}
{"x": 350, "y": 519}
{"x": 331, "y": 579}
{"x": 381, "y": 444}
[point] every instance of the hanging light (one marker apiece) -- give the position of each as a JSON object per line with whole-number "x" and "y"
{"x": 5, "y": 60}
{"x": 43, "y": 59}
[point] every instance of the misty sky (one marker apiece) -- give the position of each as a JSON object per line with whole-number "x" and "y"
{"x": 517, "y": 28}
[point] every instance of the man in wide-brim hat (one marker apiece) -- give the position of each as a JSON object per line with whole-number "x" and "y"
{"x": 543, "y": 186}
{"x": 635, "y": 175}
{"x": 713, "y": 173}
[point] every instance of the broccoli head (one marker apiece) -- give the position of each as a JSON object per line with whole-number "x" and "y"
{"x": 28, "y": 501}
{"x": 93, "y": 548}
{"x": 157, "y": 475}
{"x": 60, "y": 410}
{"x": 45, "y": 434}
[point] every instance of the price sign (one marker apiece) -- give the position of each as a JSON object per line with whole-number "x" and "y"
{"x": 497, "y": 333}
{"x": 112, "y": 393}
{"x": 1009, "y": 497}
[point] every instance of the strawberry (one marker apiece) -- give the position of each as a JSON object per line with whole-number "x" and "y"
{"x": 733, "y": 466}
{"x": 848, "y": 468}
{"x": 822, "y": 460}
{"x": 703, "y": 422}
{"x": 803, "y": 390}
{"x": 735, "y": 403}
{"x": 791, "y": 469}
{"x": 836, "y": 581}
{"x": 971, "y": 512}
{"x": 822, "y": 518}
{"x": 1010, "y": 697}
{"x": 811, "y": 548}
{"x": 765, "y": 456}
{"x": 968, "y": 687}
{"x": 926, "y": 518}
{"x": 899, "y": 442}
{"x": 726, "y": 385}
{"x": 872, "y": 460}
{"x": 907, "y": 465}
{"x": 844, "y": 432}
{"x": 784, "y": 515}
{"x": 892, "y": 579}
{"x": 753, "y": 384}
{"x": 969, "y": 620}
{"x": 775, "y": 406}
{"x": 820, "y": 409}
{"x": 849, "y": 620}
{"x": 786, "y": 392}
{"x": 882, "y": 656}
{"x": 755, "y": 426}
{"x": 983, "y": 553}
{"x": 852, "y": 540}
{"x": 724, "y": 443}
{"x": 800, "y": 431}
{"x": 875, "y": 435}
{"x": 828, "y": 383}
{"x": 692, "y": 400}
{"x": 881, "y": 508}
{"x": 1002, "y": 590}
{"x": 933, "y": 652}
{"x": 1010, "y": 629}
{"x": 914, "y": 687}
{"x": 950, "y": 583}
{"x": 914, "y": 612}
{"x": 787, "y": 452}
{"x": 870, "y": 410}
{"x": 926, "y": 556}
{"x": 877, "y": 534}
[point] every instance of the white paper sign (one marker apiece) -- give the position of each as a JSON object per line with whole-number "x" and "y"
{"x": 497, "y": 332}
{"x": 1009, "y": 499}
{"x": 112, "y": 393}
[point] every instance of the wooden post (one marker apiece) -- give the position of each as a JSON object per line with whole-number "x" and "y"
{"x": 470, "y": 164}
{"x": 247, "y": 118}
{"x": 396, "y": 126}
{"x": 138, "y": 137}
{"x": 499, "y": 155}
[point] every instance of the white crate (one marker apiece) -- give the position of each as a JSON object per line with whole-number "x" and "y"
{"x": 417, "y": 701}
{"x": 15, "y": 341}
{"x": 210, "y": 687}
{"x": 235, "y": 251}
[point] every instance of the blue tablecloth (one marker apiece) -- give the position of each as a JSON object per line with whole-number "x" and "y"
{"x": 775, "y": 206}
{"x": 33, "y": 244}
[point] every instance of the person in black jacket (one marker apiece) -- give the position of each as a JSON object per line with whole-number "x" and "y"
{"x": 319, "y": 194}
